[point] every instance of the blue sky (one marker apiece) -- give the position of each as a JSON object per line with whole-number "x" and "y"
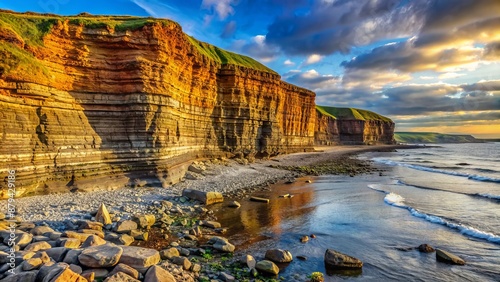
{"x": 431, "y": 65}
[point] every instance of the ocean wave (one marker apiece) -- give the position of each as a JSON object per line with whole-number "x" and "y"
{"x": 429, "y": 169}
{"x": 480, "y": 195}
{"x": 489, "y": 196}
{"x": 396, "y": 200}
{"x": 376, "y": 187}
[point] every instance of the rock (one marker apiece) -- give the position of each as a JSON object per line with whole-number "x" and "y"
{"x": 90, "y": 276}
{"x": 35, "y": 247}
{"x": 22, "y": 239}
{"x": 196, "y": 267}
{"x": 41, "y": 230}
{"x": 92, "y": 232}
{"x": 301, "y": 257}
{"x": 249, "y": 261}
{"x": 139, "y": 258}
{"x": 182, "y": 261}
{"x": 125, "y": 226}
{"x": 211, "y": 224}
{"x": 51, "y": 270}
{"x": 93, "y": 241}
{"x": 447, "y": 257}
{"x": 40, "y": 238}
{"x": 313, "y": 236}
{"x": 196, "y": 231}
{"x": 72, "y": 256}
{"x": 102, "y": 215}
{"x": 98, "y": 273}
{"x": 169, "y": 253}
{"x": 43, "y": 256}
{"x": 206, "y": 198}
{"x": 308, "y": 181}
{"x": 226, "y": 277}
{"x": 76, "y": 268}
{"x": 221, "y": 244}
{"x": 121, "y": 277}
{"x": 92, "y": 225}
{"x": 125, "y": 269}
{"x": 337, "y": 260}
{"x": 32, "y": 263}
{"x": 55, "y": 235}
{"x": 67, "y": 275}
{"x": 157, "y": 274}
{"x": 304, "y": 239}
{"x": 268, "y": 267}
{"x": 234, "y": 204}
{"x": 57, "y": 253}
{"x": 101, "y": 256}
{"x": 119, "y": 239}
{"x": 259, "y": 199}
{"x": 146, "y": 221}
{"x": 26, "y": 276}
{"x": 69, "y": 243}
{"x": 425, "y": 248}
{"x": 80, "y": 236}
{"x": 197, "y": 167}
{"x": 278, "y": 255}
{"x": 139, "y": 235}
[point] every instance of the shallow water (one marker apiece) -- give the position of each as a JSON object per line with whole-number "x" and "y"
{"x": 372, "y": 217}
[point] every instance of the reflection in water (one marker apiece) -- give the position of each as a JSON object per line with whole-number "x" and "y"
{"x": 247, "y": 222}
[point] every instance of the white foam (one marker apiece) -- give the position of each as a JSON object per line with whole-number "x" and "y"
{"x": 454, "y": 173}
{"x": 376, "y": 187}
{"x": 394, "y": 199}
{"x": 491, "y": 196}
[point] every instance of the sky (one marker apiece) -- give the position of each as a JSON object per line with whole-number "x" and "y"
{"x": 430, "y": 65}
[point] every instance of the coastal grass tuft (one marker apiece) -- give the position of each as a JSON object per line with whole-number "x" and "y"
{"x": 225, "y": 57}
{"x": 14, "y": 60}
{"x": 350, "y": 113}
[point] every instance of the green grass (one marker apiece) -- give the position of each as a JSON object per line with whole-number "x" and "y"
{"x": 225, "y": 57}
{"x": 14, "y": 60}
{"x": 350, "y": 113}
{"x": 30, "y": 28}
{"x": 431, "y": 137}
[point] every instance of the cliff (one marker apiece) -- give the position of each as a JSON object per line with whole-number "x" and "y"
{"x": 352, "y": 126}
{"x": 431, "y": 137}
{"x": 101, "y": 102}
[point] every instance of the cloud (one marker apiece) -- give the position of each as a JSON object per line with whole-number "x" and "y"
{"x": 223, "y": 8}
{"x": 492, "y": 51}
{"x": 257, "y": 48}
{"x": 229, "y": 30}
{"x": 450, "y": 75}
{"x": 311, "y": 79}
{"x": 288, "y": 63}
{"x": 312, "y": 59}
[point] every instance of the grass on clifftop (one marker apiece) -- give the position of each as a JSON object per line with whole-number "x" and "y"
{"x": 350, "y": 113}
{"x": 431, "y": 137}
{"x": 32, "y": 27}
{"x": 226, "y": 57}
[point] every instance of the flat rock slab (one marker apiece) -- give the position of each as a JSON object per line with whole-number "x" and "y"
{"x": 121, "y": 277}
{"x": 101, "y": 256}
{"x": 157, "y": 274}
{"x": 206, "y": 198}
{"x": 447, "y": 257}
{"x": 338, "y": 260}
{"x": 139, "y": 258}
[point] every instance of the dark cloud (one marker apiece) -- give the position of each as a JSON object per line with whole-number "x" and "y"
{"x": 229, "y": 30}
{"x": 312, "y": 80}
{"x": 257, "y": 48}
{"x": 450, "y": 119}
{"x": 492, "y": 51}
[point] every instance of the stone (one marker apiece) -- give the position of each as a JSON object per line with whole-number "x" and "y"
{"x": 102, "y": 215}
{"x": 139, "y": 258}
{"x": 93, "y": 241}
{"x": 337, "y": 260}
{"x": 195, "y": 267}
{"x": 26, "y": 276}
{"x": 259, "y": 199}
{"x": 101, "y": 256}
{"x": 226, "y": 277}
{"x": 139, "y": 235}
{"x": 41, "y": 230}
{"x": 248, "y": 260}
{"x": 125, "y": 226}
{"x": 67, "y": 275}
{"x": 92, "y": 225}
{"x": 98, "y": 273}
{"x": 169, "y": 253}
{"x": 72, "y": 256}
{"x": 197, "y": 167}
{"x": 92, "y": 232}
{"x": 75, "y": 235}
{"x": 234, "y": 204}
{"x": 182, "y": 261}
{"x": 447, "y": 257}
{"x": 146, "y": 221}
{"x": 268, "y": 267}
{"x": 57, "y": 253}
{"x": 119, "y": 239}
{"x": 32, "y": 263}
{"x": 196, "y": 231}
{"x": 304, "y": 239}
{"x": 76, "y": 268}
{"x": 90, "y": 276}
{"x": 125, "y": 269}
{"x": 425, "y": 248}
{"x": 211, "y": 224}
{"x": 49, "y": 271}
{"x": 278, "y": 255}
{"x": 43, "y": 256}
{"x": 22, "y": 239}
{"x": 37, "y": 246}
{"x": 55, "y": 235}
{"x": 40, "y": 238}
{"x": 157, "y": 274}
{"x": 206, "y": 198}
{"x": 69, "y": 243}
{"x": 121, "y": 277}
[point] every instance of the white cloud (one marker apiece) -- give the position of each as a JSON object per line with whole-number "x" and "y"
{"x": 288, "y": 63}
{"x": 223, "y": 8}
{"x": 312, "y": 59}
{"x": 450, "y": 75}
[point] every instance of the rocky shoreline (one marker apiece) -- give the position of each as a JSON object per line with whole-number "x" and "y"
{"x": 155, "y": 234}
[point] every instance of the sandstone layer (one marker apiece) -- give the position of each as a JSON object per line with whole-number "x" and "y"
{"x": 87, "y": 100}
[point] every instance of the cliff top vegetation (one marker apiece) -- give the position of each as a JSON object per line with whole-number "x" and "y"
{"x": 350, "y": 113}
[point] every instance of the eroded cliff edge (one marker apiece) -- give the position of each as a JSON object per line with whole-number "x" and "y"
{"x": 100, "y": 102}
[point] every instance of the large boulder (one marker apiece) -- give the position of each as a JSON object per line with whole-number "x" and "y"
{"x": 139, "y": 258}
{"x": 125, "y": 269}
{"x": 157, "y": 274}
{"x": 337, "y": 260}
{"x": 206, "y": 198}
{"x": 278, "y": 255}
{"x": 268, "y": 267}
{"x": 447, "y": 257}
{"x": 102, "y": 215}
{"x": 106, "y": 255}
{"x": 125, "y": 226}
{"x": 121, "y": 277}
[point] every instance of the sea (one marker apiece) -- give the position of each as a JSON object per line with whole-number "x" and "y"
{"x": 447, "y": 196}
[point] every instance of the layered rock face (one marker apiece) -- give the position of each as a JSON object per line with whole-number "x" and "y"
{"x": 116, "y": 106}
{"x": 349, "y": 129}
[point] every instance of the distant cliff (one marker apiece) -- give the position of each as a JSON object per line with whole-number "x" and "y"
{"x": 93, "y": 102}
{"x": 431, "y": 137}
{"x": 352, "y": 126}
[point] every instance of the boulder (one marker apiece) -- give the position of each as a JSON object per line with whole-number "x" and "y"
{"x": 92, "y": 225}
{"x": 146, "y": 220}
{"x": 197, "y": 167}
{"x": 38, "y": 246}
{"x": 337, "y": 260}
{"x": 69, "y": 243}
{"x": 169, "y": 253}
{"x": 72, "y": 256}
{"x": 41, "y": 230}
{"x": 268, "y": 267}
{"x": 67, "y": 275}
{"x": 139, "y": 258}
{"x": 57, "y": 253}
{"x": 50, "y": 270}
{"x": 93, "y": 241}
{"x": 72, "y": 234}
{"x": 425, "y": 248}
{"x": 121, "y": 277}
{"x": 98, "y": 273}
{"x": 125, "y": 226}
{"x": 119, "y": 239}
{"x": 102, "y": 215}
{"x": 92, "y": 232}
{"x": 221, "y": 244}
{"x": 101, "y": 256}
{"x": 226, "y": 277}
{"x": 447, "y": 257}
{"x": 249, "y": 261}
{"x": 182, "y": 261}
{"x": 211, "y": 224}
{"x": 157, "y": 274}
{"x": 32, "y": 263}
{"x": 206, "y": 198}
{"x": 125, "y": 269}
{"x": 278, "y": 255}
{"x": 25, "y": 276}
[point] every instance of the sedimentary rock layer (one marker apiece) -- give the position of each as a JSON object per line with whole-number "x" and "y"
{"x": 91, "y": 102}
